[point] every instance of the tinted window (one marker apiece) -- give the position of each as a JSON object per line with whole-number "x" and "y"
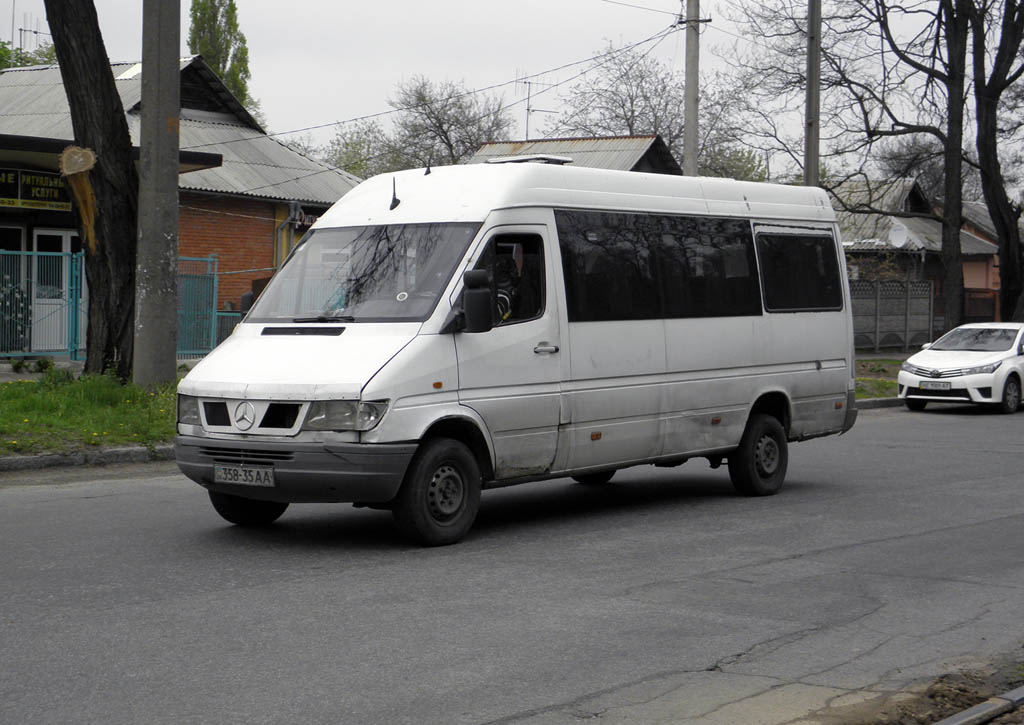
{"x": 621, "y": 266}
{"x": 707, "y": 268}
{"x": 800, "y": 272}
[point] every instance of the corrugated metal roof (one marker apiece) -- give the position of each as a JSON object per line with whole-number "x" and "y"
{"x": 871, "y": 232}
{"x": 619, "y": 153}
{"x": 33, "y": 103}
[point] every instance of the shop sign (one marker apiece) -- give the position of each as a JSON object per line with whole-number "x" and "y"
{"x": 33, "y": 190}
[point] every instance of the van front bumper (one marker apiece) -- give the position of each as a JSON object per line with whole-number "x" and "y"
{"x": 303, "y": 472}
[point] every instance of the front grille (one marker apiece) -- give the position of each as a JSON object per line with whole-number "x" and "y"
{"x": 957, "y": 394}
{"x": 280, "y": 415}
{"x": 933, "y": 373}
{"x": 244, "y": 456}
{"x": 216, "y": 414}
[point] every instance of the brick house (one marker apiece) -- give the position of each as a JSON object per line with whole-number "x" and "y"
{"x": 244, "y": 196}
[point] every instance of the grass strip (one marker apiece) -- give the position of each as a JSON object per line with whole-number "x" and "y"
{"x": 59, "y": 414}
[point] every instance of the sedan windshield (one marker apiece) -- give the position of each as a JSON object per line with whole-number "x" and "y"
{"x": 981, "y": 339}
{"x": 372, "y": 274}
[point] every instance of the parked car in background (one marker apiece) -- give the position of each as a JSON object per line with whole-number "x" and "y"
{"x": 978, "y": 363}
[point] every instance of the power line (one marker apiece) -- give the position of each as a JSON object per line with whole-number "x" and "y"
{"x": 456, "y": 96}
{"x": 641, "y": 7}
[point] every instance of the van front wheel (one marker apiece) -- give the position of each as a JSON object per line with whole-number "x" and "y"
{"x": 758, "y": 466}
{"x": 440, "y": 495}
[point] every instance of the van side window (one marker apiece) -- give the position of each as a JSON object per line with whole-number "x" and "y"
{"x": 620, "y": 266}
{"x": 800, "y": 272}
{"x": 516, "y": 266}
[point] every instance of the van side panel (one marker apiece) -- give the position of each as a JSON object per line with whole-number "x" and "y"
{"x": 714, "y": 375}
{"x": 615, "y": 393}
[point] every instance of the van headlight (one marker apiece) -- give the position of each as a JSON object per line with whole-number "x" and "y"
{"x": 984, "y": 369}
{"x": 188, "y": 410}
{"x": 344, "y": 414}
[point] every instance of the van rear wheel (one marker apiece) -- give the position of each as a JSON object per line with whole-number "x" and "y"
{"x": 440, "y": 496}
{"x": 758, "y": 466}
{"x": 246, "y": 511}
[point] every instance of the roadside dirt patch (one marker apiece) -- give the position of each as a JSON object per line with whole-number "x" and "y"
{"x": 878, "y": 368}
{"x": 946, "y": 696}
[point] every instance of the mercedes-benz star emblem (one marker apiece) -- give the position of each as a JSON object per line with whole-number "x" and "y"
{"x": 245, "y": 416}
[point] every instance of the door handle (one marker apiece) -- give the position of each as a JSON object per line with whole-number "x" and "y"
{"x": 543, "y": 347}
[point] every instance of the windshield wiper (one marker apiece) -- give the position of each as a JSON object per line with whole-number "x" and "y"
{"x": 326, "y": 318}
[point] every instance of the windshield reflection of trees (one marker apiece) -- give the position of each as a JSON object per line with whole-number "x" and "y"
{"x": 379, "y": 272}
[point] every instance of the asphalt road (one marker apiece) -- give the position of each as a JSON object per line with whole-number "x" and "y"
{"x": 893, "y": 554}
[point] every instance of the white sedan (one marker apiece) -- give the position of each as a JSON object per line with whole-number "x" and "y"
{"x": 979, "y": 363}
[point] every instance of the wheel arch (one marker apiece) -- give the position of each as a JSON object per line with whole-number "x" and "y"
{"x": 467, "y": 432}
{"x": 776, "y": 404}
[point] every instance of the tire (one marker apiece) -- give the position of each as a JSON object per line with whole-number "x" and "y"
{"x": 758, "y": 466}
{"x": 914, "y": 404}
{"x": 440, "y": 496}
{"x": 594, "y": 479}
{"x": 1011, "y": 395}
{"x": 246, "y": 511}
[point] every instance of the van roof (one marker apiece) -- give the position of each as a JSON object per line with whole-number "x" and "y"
{"x": 471, "y": 192}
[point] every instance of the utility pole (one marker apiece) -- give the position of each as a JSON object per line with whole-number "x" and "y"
{"x": 690, "y": 97}
{"x": 156, "y": 284}
{"x": 812, "y": 126}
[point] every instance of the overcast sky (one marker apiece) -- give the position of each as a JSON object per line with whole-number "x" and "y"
{"x": 315, "y": 62}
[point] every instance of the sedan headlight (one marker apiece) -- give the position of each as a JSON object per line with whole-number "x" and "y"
{"x": 907, "y": 367}
{"x": 983, "y": 369}
{"x": 188, "y": 410}
{"x": 344, "y": 414}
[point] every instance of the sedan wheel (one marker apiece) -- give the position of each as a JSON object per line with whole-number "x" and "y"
{"x": 1011, "y": 395}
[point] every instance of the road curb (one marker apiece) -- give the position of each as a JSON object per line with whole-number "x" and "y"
{"x": 988, "y": 710}
{"x": 870, "y": 403}
{"x": 101, "y": 457}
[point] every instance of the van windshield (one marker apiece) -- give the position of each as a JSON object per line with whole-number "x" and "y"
{"x": 393, "y": 273}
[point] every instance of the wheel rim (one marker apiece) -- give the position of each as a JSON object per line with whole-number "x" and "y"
{"x": 446, "y": 493}
{"x": 766, "y": 456}
{"x": 1013, "y": 395}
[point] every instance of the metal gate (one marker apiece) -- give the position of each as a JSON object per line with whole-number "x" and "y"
{"x": 44, "y": 306}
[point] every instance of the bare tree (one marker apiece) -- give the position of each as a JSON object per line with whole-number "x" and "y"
{"x": 997, "y": 66}
{"x": 890, "y": 70}
{"x": 444, "y": 123}
{"x": 633, "y": 93}
{"x": 435, "y": 124}
{"x": 99, "y": 124}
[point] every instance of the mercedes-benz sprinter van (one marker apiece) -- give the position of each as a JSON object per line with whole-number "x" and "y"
{"x": 443, "y": 331}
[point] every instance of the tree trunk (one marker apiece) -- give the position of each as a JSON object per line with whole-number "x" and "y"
{"x": 956, "y": 26}
{"x": 1004, "y": 212}
{"x": 99, "y": 123}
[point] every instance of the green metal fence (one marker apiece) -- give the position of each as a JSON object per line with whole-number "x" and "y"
{"x": 44, "y": 305}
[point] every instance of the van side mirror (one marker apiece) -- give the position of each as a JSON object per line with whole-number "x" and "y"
{"x": 476, "y": 301}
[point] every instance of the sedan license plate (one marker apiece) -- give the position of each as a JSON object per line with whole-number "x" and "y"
{"x": 931, "y": 385}
{"x": 244, "y": 475}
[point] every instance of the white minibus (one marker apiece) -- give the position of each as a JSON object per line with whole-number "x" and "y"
{"x": 443, "y": 331}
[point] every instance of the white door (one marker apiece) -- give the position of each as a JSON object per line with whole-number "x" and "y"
{"x": 511, "y": 374}
{"x": 51, "y": 278}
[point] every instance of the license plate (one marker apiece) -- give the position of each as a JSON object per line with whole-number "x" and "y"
{"x": 929, "y": 385}
{"x": 243, "y": 475}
